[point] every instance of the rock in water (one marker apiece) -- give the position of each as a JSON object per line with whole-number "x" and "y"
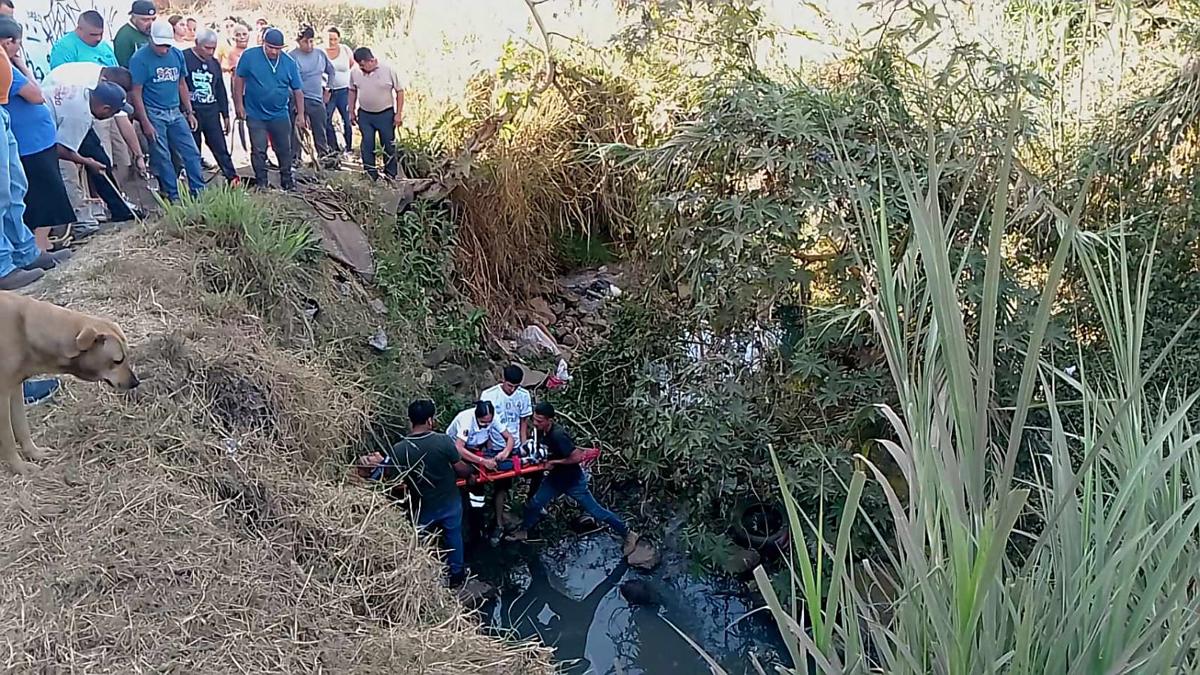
{"x": 645, "y": 556}
{"x": 641, "y": 593}
{"x": 741, "y": 560}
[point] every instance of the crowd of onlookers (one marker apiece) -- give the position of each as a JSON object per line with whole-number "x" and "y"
{"x": 142, "y": 105}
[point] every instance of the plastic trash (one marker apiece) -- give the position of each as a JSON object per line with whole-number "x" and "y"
{"x": 561, "y": 376}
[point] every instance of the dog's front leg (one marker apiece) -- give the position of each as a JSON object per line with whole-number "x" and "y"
{"x": 20, "y": 427}
{"x": 8, "y": 444}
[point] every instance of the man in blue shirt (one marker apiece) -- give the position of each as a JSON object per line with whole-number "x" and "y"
{"x": 84, "y": 45}
{"x": 48, "y": 206}
{"x": 164, "y": 106}
{"x": 265, "y": 82}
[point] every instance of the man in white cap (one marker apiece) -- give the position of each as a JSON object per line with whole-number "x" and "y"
{"x": 164, "y": 107}
{"x": 116, "y": 154}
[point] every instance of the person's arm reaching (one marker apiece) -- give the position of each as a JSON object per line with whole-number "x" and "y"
{"x": 301, "y": 118}
{"x": 71, "y": 156}
{"x": 575, "y": 457}
{"x": 239, "y": 97}
{"x": 508, "y": 446}
{"x": 139, "y": 107}
{"x": 31, "y": 93}
{"x": 18, "y": 62}
{"x": 526, "y": 416}
{"x": 353, "y": 105}
{"x": 330, "y": 73}
{"x": 298, "y": 98}
{"x": 461, "y": 444}
{"x": 185, "y": 104}
{"x": 222, "y": 100}
{"x": 399, "y": 119}
{"x": 125, "y": 127}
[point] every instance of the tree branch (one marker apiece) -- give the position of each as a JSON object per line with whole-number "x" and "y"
{"x": 547, "y": 51}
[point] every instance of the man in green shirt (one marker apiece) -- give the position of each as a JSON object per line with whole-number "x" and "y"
{"x": 136, "y": 33}
{"x": 431, "y": 464}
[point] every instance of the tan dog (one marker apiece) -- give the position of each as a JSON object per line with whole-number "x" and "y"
{"x": 38, "y": 338}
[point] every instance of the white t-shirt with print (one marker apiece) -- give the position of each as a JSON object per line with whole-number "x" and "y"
{"x": 510, "y": 410}
{"x": 80, "y": 74}
{"x": 72, "y": 110}
{"x": 467, "y": 428}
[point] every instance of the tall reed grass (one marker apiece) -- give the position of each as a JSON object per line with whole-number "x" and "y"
{"x": 1088, "y": 566}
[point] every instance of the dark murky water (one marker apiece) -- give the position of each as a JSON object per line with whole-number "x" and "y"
{"x": 566, "y": 594}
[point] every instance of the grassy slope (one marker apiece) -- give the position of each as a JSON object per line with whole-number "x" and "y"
{"x": 199, "y": 525}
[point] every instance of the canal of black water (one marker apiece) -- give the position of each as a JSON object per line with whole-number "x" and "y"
{"x": 566, "y": 594}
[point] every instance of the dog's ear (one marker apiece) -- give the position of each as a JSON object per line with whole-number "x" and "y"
{"x": 86, "y": 338}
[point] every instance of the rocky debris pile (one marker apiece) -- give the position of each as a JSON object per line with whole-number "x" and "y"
{"x": 463, "y": 374}
{"x": 570, "y": 319}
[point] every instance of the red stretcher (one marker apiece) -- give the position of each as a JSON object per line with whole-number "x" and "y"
{"x": 520, "y": 468}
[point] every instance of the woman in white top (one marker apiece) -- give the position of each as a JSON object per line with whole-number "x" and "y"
{"x": 339, "y": 87}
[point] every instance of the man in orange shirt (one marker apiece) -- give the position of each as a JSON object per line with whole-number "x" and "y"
{"x": 17, "y": 246}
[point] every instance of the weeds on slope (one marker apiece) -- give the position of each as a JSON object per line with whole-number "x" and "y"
{"x": 1103, "y": 578}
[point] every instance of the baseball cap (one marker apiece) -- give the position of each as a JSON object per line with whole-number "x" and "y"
{"x": 273, "y": 37}
{"x": 143, "y": 8}
{"x": 162, "y": 33}
{"x": 113, "y": 96}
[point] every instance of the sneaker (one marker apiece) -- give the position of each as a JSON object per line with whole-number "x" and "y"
{"x": 39, "y": 391}
{"x": 48, "y": 261}
{"x": 519, "y": 535}
{"x": 494, "y": 538}
{"x": 207, "y": 165}
{"x": 631, "y": 542}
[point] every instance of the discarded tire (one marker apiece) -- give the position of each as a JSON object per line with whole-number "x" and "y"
{"x": 759, "y": 525}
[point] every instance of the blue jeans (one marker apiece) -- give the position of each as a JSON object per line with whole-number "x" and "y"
{"x": 17, "y": 247}
{"x": 339, "y": 102}
{"x": 552, "y": 489}
{"x": 172, "y": 134}
{"x": 449, "y": 518}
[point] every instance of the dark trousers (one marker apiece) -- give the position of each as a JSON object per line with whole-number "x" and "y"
{"x": 383, "y": 124}
{"x": 449, "y": 518}
{"x": 104, "y": 185}
{"x": 314, "y": 111}
{"x": 577, "y": 490}
{"x": 208, "y": 127}
{"x": 339, "y": 102}
{"x": 279, "y": 133}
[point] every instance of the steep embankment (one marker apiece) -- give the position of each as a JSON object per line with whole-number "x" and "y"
{"x": 197, "y": 525}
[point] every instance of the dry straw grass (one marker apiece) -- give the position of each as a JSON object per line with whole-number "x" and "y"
{"x": 191, "y": 527}
{"x": 542, "y": 178}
